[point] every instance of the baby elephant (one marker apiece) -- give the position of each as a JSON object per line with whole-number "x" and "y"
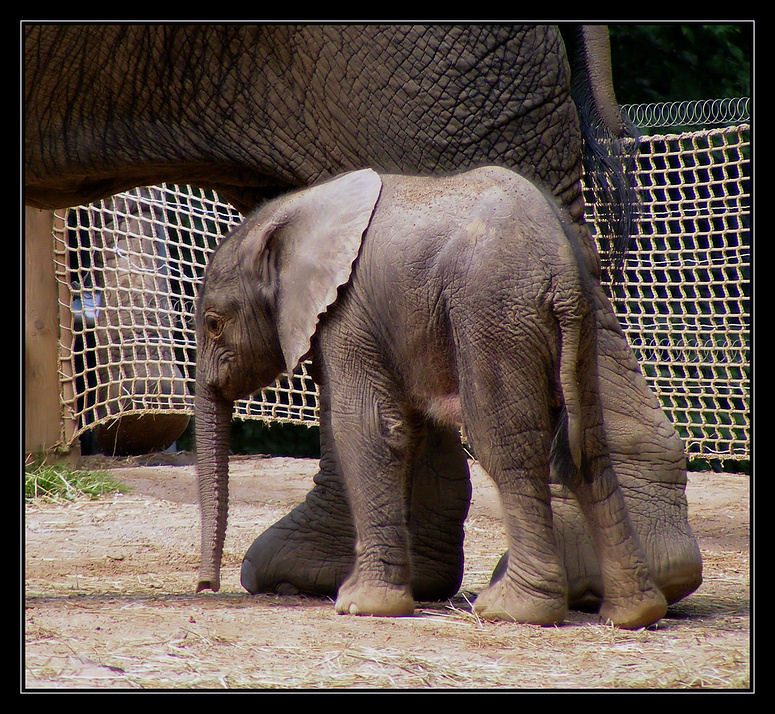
{"x": 465, "y": 298}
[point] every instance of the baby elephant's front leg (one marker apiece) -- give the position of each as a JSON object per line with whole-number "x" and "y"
{"x": 373, "y": 454}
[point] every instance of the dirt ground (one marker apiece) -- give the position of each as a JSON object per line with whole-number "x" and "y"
{"x": 110, "y": 603}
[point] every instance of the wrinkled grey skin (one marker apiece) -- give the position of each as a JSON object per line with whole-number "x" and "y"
{"x": 253, "y": 111}
{"x": 459, "y": 299}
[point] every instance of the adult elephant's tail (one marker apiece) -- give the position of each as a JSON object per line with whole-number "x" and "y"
{"x": 610, "y": 141}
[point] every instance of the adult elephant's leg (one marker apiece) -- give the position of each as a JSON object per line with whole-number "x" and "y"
{"x": 648, "y": 459}
{"x": 311, "y": 550}
{"x": 441, "y": 494}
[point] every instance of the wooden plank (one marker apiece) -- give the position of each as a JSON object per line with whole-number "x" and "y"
{"x": 42, "y": 411}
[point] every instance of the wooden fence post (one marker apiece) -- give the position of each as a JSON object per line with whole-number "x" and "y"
{"x": 43, "y": 419}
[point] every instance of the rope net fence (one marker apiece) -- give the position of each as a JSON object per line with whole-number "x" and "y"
{"x": 129, "y": 267}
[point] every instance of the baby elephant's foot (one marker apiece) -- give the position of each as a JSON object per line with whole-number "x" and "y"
{"x": 503, "y": 600}
{"x": 356, "y": 597}
{"x": 636, "y": 611}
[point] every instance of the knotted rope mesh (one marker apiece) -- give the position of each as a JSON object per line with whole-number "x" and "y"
{"x": 129, "y": 269}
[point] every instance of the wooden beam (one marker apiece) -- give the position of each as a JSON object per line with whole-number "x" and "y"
{"x": 43, "y": 424}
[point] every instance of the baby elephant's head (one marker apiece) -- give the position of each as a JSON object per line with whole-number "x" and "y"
{"x": 238, "y": 350}
{"x": 258, "y": 309}
{"x": 269, "y": 281}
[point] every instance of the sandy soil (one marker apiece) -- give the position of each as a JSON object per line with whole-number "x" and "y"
{"x": 110, "y": 603}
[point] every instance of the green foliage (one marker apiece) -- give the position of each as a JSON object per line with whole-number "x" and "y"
{"x": 676, "y": 61}
{"x": 255, "y": 437}
{"x": 55, "y": 482}
{"x": 720, "y": 465}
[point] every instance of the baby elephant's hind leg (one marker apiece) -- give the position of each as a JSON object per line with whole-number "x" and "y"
{"x": 630, "y": 598}
{"x": 533, "y": 589}
{"x": 507, "y": 421}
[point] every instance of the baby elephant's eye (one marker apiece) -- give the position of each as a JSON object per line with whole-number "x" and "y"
{"x": 214, "y": 325}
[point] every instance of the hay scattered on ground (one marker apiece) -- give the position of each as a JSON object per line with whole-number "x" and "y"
{"x": 110, "y": 604}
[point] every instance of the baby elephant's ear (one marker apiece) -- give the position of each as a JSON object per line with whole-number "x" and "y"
{"x": 313, "y": 249}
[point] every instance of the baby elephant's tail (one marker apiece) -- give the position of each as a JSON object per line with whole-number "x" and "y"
{"x": 581, "y": 395}
{"x": 574, "y": 310}
{"x": 579, "y": 444}
{"x": 569, "y": 382}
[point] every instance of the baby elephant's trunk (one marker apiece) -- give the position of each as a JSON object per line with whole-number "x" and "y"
{"x": 213, "y": 423}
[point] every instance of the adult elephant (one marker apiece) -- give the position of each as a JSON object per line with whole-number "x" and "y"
{"x": 254, "y": 110}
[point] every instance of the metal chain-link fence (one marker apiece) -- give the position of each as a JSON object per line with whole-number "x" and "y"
{"x": 129, "y": 267}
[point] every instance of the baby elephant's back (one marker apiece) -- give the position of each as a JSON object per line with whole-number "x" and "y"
{"x": 485, "y": 226}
